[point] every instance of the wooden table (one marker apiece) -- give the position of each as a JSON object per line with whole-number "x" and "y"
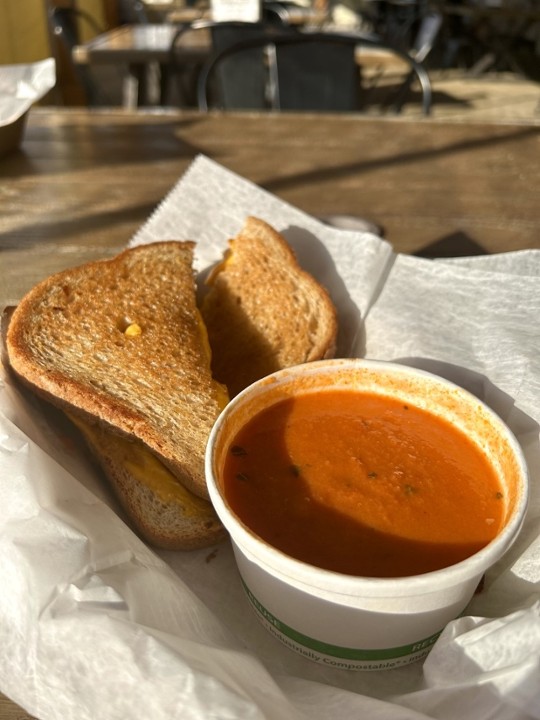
{"x": 136, "y": 48}
{"x": 84, "y": 182}
{"x": 299, "y": 15}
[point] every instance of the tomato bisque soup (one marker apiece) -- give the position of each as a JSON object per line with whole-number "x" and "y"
{"x": 362, "y": 484}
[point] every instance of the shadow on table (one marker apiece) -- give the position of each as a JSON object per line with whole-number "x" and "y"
{"x": 498, "y": 137}
{"x": 457, "y": 244}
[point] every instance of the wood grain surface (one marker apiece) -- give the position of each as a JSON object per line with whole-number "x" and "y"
{"x": 83, "y": 182}
{"x": 10, "y": 711}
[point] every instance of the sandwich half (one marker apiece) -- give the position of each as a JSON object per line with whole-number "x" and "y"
{"x": 262, "y": 311}
{"x": 120, "y": 346}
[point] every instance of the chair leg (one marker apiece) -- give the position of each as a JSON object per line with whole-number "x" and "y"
{"x": 402, "y": 93}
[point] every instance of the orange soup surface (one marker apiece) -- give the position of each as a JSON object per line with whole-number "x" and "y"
{"x": 362, "y": 484}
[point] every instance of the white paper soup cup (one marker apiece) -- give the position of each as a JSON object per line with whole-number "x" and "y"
{"x": 353, "y": 622}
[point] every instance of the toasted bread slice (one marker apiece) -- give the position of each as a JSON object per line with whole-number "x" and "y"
{"x": 120, "y": 343}
{"x": 161, "y": 509}
{"x": 263, "y": 312}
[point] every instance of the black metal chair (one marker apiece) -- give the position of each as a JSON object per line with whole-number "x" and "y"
{"x": 132, "y": 12}
{"x": 276, "y": 12}
{"x": 304, "y": 71}
{"x": 424, "y": 42}
{"x": 242, "y": 83}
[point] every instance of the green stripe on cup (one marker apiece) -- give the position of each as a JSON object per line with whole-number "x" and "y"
{"x": 338, "y": 651}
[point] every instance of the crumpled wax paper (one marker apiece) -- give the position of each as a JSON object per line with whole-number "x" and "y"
{"x": 22, "y": 85}
{"x": 95, "y": 624}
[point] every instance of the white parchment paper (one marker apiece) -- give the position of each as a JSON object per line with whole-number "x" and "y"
{"x": 93, "y": 624}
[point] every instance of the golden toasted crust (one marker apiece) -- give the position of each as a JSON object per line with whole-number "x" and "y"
{"x": 160, "y": 509}
{"x": 263, "y": 312}
{"x": 67, "y": 340}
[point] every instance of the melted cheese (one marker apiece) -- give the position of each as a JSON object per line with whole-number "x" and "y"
{"x": 143, "y": 466}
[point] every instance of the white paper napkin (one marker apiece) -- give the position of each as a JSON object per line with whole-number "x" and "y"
{"x": 94, "y": 624}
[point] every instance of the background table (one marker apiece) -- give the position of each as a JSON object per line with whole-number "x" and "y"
{"x": 136, "y": 48}
{"x": 84, "y": 182}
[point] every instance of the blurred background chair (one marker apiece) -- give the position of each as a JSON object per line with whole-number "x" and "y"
{"x": 423, "y": 43}
{"x": 273, "y": 11}
{"x": 132, "y": 12}
{"x": 242, "y": 82}
{"x": 303, "y": 71}
{"x": 66, "y": 23}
